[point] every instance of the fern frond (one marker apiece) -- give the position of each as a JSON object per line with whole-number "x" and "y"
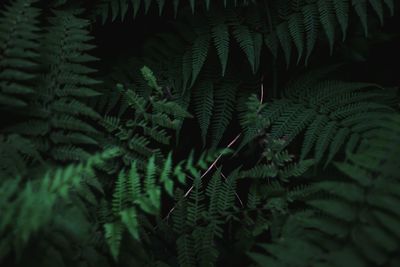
{"x": 354, "y": 216}
{"x": 195, "y": 206}
{"x": 54, "y": 108}
{"x": 185, "y": 248}
{"x": 28, "y": 207}
{"x": 220, "y": 36}
{"x": 120, "y": 9}
{"x": 225, "y": 95}
{"x": 329, "y": 112}
{"x": 19, "y": 45}
{"x": 113, "y": 234}
{"x": 203, "y": 98}
{"x": 244, "y": 39}
{"x": 199, "y": 54}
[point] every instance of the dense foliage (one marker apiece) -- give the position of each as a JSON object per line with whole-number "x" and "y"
{"x": 199, "y": 133}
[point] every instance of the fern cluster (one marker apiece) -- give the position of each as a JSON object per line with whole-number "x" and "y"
{"x": 350, "y": 220}
{"x": 229, "y": 133}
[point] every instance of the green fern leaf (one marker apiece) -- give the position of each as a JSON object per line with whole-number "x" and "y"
{"x": 360, "y": 7}
{"x": 165, "y": 175}
{"x": 325, "y": 138}
{"x": 204, "y": 103}
{"x": 338, "y": 140}
{"x": 220, "y": 36}
{"x": 244, "y": 38}
{"x": 378, "y": 7}
{"x": 113, "y": 233}
{"x": 199, "y": 54}
{"x": 129, "y": 219}
{"x": 390, "y": 5}
{"x": 225, "y": 95}
{"x": 282, "y": 32}
{"x": 296, "y": 30}
{"x": 195, "y": 205}
{"x": 185, "y": 247}
{"x": 341, "y": 8}
{"x": 311, "y": 25}
{"x": 19, "y": 43}
{"x": 119, "y": 195}
{"x": 325, "y": 9}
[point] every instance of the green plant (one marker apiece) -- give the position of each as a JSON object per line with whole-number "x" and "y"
{"x": 199, "y": 133}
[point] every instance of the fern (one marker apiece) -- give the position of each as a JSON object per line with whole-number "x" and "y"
{"x": 19, "y": 38}
{"x": 355, "y": 213}
{"x": 220, "y": 200}
{"x": 119, "y": 9}
{"x": 154, "y": 117}
{"x": 204, "y": 102}
{"x": 146, "y": 200}
{"x": 278, "y": 163}
{"x": 329, "y": 112}
{"x": 28, "y": 207}
{"x": 225, "y": 96}
{"x": 59, "y": 114}
{"x": 303, "y": 20}
{"x": 15, "y": 153}
{"x": 139, "y": 192}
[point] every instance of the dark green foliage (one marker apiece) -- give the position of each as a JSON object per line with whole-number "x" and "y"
{"x": 59, "y": 118}
{"x": 19, "y": 47}
{"x": 330, "y": 113}
{"x": 225, "y": 134}
{"x": 353, "y": 217}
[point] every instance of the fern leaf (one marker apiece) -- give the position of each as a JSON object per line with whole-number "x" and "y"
{"x": 129, "y": 219}
{"x": 244, "y": 38}
{"x": 335, "y": 208}
{"x": 378, "y": 7}
{"x": 204, "y": 103}
{"x": 220, "y": 37}
{"x": 324, "y": 140}
{"x": 338, "y": 140}
{"x": 225, "y": 95}
{"x": 185, "y": 249}
{"x": 272, "y": 42}
{"x": 134, "y": 183}
{"x": 192, "y": 5}
{"x": 282, "y": 32}
{"x": 296, "y": 30}
{"x": 360, "y": 7}
{"x": 195, "y": 205}
{"x": 325, "y": 9}
{"x": 199, "y": 54}
{"x": 18, "y": 52}
{"x": 390, "y": 5}
{"x": 113, "y": 234}
{"x": 296, "y": 169}
{"x": 165, "y": 175}
{"x": 212, "y": 191}
{"x": 119, "y": 195}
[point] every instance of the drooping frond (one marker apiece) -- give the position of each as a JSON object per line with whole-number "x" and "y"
{"x": 108, "y": 9}
{"x": 302, "y": 22}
